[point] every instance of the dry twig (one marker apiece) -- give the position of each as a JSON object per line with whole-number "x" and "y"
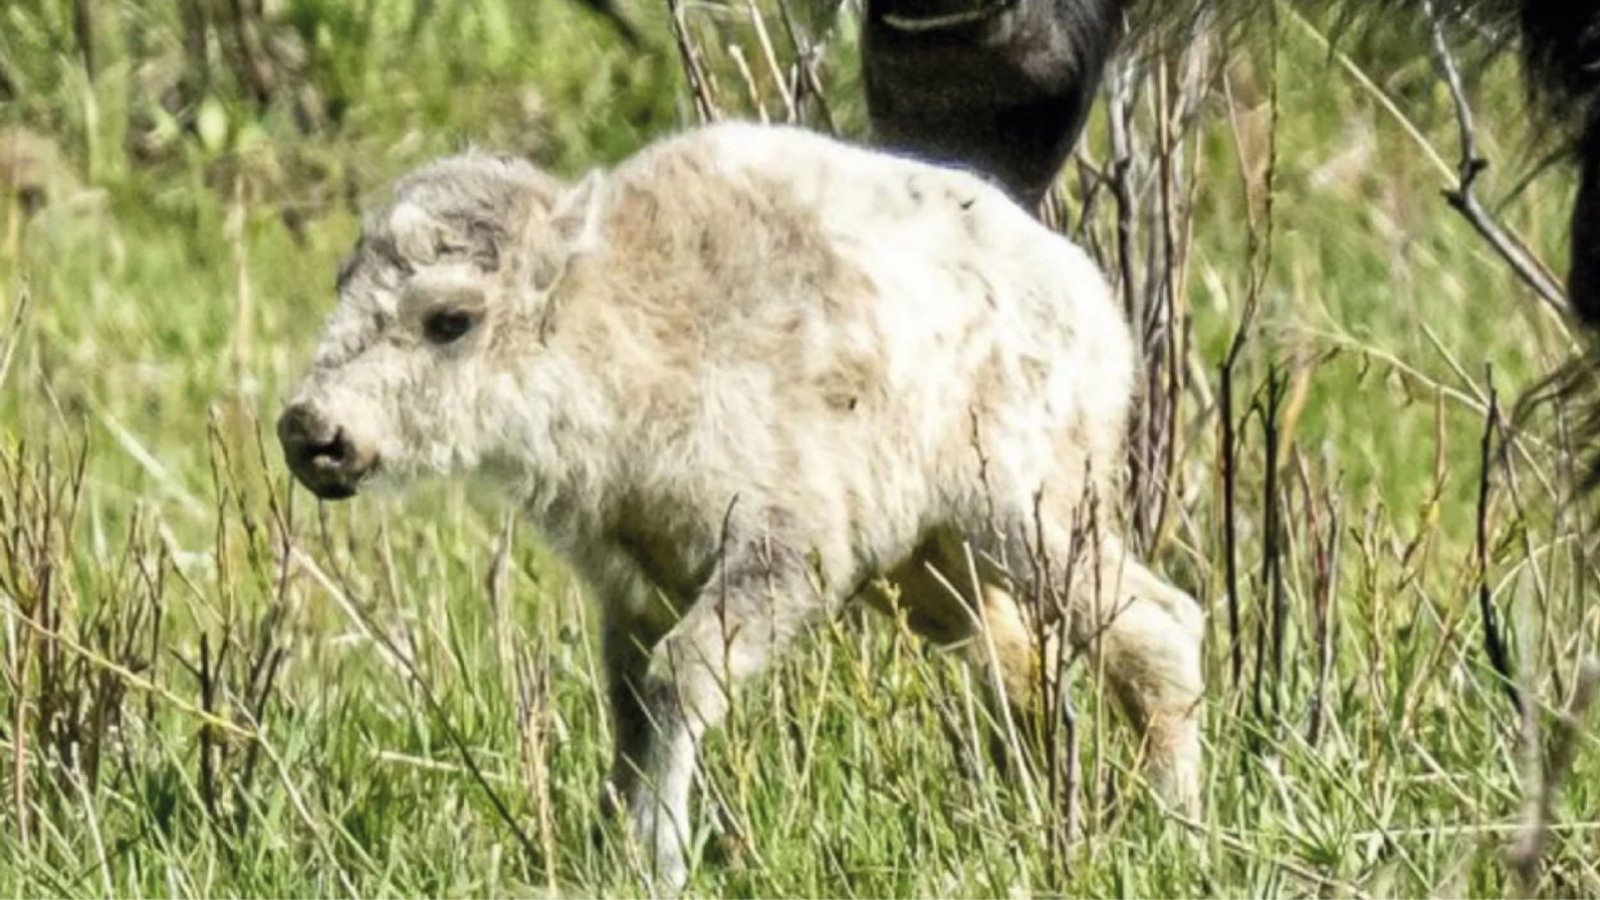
{"x": 1461, "y": 196}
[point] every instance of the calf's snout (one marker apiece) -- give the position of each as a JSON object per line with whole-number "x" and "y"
{"x": 325, "y": 457}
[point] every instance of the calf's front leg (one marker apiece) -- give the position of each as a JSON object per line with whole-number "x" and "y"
{"x": 752, "y": 607}
{"x": 630, "y": 635}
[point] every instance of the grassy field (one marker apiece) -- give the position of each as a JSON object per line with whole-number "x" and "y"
{"x": 212, "y": 685}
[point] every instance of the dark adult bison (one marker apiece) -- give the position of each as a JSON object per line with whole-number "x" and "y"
{"x": 1003, "y": 85}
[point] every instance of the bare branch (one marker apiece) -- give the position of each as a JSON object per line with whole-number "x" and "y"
{"x": 1461, "y": 197}
{"x": 1493, "y": 642}
{"x": 700, "y": 87}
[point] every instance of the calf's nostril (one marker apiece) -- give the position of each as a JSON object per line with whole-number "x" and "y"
{"x": 331, "y": 453}
{"x": 308, "y": 441}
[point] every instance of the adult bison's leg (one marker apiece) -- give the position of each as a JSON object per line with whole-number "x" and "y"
{"x": 1000, "y": 86}
{"x": 1561, "y": 44}
{"x": 1583, "y": 278}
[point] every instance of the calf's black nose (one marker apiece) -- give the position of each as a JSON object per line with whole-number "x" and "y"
{"x": 321, "y": 454}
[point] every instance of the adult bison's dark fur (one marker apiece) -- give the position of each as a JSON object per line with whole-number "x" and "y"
{"x": 1003, "y": 85}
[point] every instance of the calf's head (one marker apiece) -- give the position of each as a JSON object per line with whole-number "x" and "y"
{"x": 422, "y": 363}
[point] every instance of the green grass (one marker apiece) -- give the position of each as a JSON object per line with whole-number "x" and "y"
{"x": 226, "y": 689}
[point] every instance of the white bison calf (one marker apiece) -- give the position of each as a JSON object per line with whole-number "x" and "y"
{"x": 735, "y": 381}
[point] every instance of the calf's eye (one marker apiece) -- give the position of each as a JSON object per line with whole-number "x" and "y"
{"x": 448, "y": 325}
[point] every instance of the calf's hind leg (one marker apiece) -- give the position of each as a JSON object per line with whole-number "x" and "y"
{"x": 936, "y": 595}
{"x": 1145, "y": 635}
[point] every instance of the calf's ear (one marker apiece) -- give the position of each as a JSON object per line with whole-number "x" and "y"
{"x": 575, "y": 227}
{"x": 576, "y": 218}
